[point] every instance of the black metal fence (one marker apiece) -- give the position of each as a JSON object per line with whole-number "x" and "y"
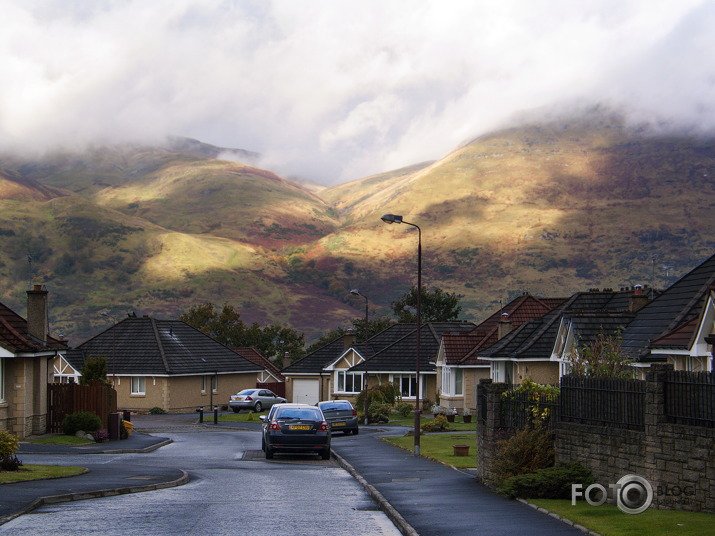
{"x": 614, "y": 402}
{"x": 690, "y": 398}
{"x": 520, "y": 411}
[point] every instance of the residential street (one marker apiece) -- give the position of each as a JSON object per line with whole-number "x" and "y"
{"x": 226, "y": 494}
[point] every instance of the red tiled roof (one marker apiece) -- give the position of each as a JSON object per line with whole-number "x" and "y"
{"x": 681, "y": 337}
{"x": 14, "y": 335}
{"x": 255, "y": 357}
{"x": 519, "y": 311}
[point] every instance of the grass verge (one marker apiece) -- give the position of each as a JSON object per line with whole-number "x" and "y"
{"x": 460, "y": 426}
{"x": 35, "y": 472}
{"x": 235, "y": 417}
{"x": 608, "y": 520}
{"x": 60, "y": 440}
{"x": 439, "y": 447}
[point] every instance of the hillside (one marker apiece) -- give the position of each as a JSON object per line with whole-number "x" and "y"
{"x": 548, "y": 207}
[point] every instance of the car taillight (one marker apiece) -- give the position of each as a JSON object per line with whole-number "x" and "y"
{"x": 354, "y": 412}
{"x": 248, "y": 398}
{"x": 274, "y": 426}
{"x": 323, "y": 427}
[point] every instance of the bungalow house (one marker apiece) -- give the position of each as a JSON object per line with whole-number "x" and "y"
{"x": 397, "y": 361}
{"x": 532, "y": 351}
{"x": 326, "y": 373}
{"x": 25, "y": 350}
{"x": 677, "y": 326}
{"x": 167, "y": 364}
{"x": 458, "y": 367}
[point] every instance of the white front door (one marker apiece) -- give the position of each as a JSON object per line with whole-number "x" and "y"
{"x": 306, "y": 391}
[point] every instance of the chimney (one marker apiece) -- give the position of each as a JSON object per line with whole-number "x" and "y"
{"x": 504, "y": 326}
{"x": 286, "y": 359}
{"x": 37, "y": 313}
{"x": 348, "y": 338}
{"x": 637, "y": 300}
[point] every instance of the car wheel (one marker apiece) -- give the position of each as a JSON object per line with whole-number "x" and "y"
{"x": 269, "y": 453}
{"x": 356, "y": 431}
{"x": 325, "y": 454}
{"x": 235, "y": 410}
{"x": 263, "y": 444}
{"x": 258, "y": 407}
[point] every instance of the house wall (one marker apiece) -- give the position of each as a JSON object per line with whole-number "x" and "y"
{"x": 181, "y": 394}
{"x": 24, "y": 411}
{"x": 543, "y": 372}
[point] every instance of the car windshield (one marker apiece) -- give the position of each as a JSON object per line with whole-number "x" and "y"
{"x": 332, "y": 406}
{"x": 299, "y": 413}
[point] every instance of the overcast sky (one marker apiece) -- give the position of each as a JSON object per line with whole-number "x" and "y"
{"x": 334, "y": 90}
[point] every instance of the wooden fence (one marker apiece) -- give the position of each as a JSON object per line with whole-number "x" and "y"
{"x": 278, "y": 388}
{"x": 66, "y": 398}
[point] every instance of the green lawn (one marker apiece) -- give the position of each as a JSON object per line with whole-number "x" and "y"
{"x": 608, "y": 520}
{"x": 34, "y": 472}
{"x": 457, "y": 426}
{"x": 244, "y": 416}
{"x": 61, "y": 440}
{"x": 439, "y": 447}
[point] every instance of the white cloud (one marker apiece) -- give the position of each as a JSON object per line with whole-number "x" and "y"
{"x": 337, "y": 90}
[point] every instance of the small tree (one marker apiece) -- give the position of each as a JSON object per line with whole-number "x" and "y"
{"x": 603, "y": 357}
{"x": 95, "y": 370}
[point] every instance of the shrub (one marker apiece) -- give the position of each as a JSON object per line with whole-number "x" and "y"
{"x": 100, "y": 435}
{"x": 156, "y": 410}
{"x": 404, "y": 409}
{"x": 439, "y": 424}
{"x": 9, "y": 445}
{"x": 524, "y": 452}
{"x": 379, "y": 412}
{"x": 81, "y": 420}
{"x": 385, "y": 393}
{"x": 548, "y": 483}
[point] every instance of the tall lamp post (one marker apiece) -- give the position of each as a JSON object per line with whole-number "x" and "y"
{"x": 392, "y": 218}
{"x": 114, "y": 344}
{"x": 356, "y": 292}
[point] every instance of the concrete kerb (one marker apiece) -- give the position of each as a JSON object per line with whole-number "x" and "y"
{"x": 54, "y": 499}
{"x": 400, "y": 522}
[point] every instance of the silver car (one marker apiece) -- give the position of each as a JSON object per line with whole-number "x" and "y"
{"x": 254, "y": 399}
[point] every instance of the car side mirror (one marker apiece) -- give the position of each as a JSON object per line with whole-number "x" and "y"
{"x": 262, "y": 417}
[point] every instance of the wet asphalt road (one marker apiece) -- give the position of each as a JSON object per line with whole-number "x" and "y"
{"x": 232, "y": 490}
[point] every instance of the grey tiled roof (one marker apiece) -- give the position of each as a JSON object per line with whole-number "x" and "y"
{"x": 678, "y": 305}
{"x": 401, "y": 355}
{"x": 15, "y": 338}
{"x": 535, "y": 339}
{"x": 145, "y": 346}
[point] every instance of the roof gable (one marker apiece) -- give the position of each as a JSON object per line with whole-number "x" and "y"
{"x": 15, "y": 338}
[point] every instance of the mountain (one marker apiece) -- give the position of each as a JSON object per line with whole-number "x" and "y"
{"x": 549, "y": 207}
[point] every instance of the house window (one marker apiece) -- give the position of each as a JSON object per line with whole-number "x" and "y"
{"x": 138, "y": 385}
{"x": 348, "y": 382}
{"x": 214, "y": 383}
{"x": 203, "y": 384}
{"x": 2, "y": 380}
{"x": 407, "y": 384}
{"x": 452, "y": 380}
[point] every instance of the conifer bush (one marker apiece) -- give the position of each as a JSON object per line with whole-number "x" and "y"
{"x": 81, "y": 420}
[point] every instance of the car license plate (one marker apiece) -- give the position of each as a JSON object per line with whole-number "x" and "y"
{"x": 300, "y": 427}
{"x": 338, "y": 424}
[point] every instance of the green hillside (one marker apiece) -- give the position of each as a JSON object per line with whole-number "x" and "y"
{"x": 549, "y": 208}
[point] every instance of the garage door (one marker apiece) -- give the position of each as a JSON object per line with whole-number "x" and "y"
{"x": 306, "y": 391}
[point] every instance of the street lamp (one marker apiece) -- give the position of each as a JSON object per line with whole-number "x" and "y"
{"x": 356, "y": 292}
{"x": 392, "y": 218}
{"x": 114, "y": 344}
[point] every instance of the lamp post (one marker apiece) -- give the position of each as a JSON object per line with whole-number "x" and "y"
{"x": 392, "y": 218}
{"x": 356, "y": 292}
{"x": 114, "y": 344}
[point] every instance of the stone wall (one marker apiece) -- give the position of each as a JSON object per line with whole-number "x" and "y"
{"x": 677, "y": 460}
